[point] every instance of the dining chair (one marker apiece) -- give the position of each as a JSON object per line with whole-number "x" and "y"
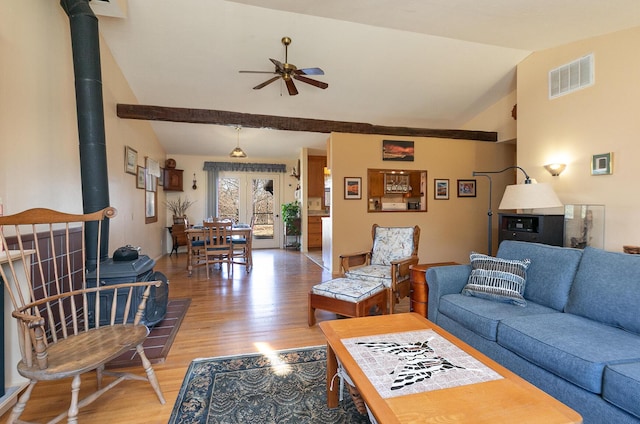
{"x": 218, "y": 248}
{"x": 393, "y": 251}
{"x": 242, "y": 246}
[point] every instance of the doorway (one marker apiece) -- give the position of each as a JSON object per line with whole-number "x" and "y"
{"x": 252, "y": 197}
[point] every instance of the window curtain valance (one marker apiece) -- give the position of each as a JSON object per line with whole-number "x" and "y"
{"x": 213, "y": 168}
{"x": 244, "y": 167}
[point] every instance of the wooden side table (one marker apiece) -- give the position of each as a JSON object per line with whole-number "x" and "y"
{"x": 419, "y": 294}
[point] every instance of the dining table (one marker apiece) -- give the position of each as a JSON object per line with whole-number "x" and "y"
{"x": 239, "y": 232}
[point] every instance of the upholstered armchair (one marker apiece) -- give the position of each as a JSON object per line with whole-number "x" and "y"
{"x": 394, "y": 250}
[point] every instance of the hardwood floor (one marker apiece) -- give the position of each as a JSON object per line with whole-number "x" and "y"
{"x": 228, "y": 315}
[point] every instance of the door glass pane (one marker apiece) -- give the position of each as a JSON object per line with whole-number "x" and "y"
{"x": 244, "y": 197}
{"x": 229, "y": 198}
{"x": 262, "y": 201}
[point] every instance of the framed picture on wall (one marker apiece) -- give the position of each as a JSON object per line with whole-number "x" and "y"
{"x": 150, "y": 207}
{"x": 130, "y": 160}
{"x": 466, "y": 188}
{"x": 140, "y": 180}
{"x": 441, "y": 189}
{"x": 352, "y": 188}
{"x": 397, "y": 150}
{"x": 601, "y": 164}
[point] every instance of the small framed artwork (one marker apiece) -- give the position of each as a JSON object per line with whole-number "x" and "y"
{"x": 441, "y": 189}
{"x": 466, "y": 188}
{"x": 140, "y": 180}
{"x": 151, "y": 182}
{"x": 352, "y": 188}
{"x": 130, "y": 160}
{"x": 397, "y": 150}
{"x": 150, "y": 207}
{"x": 602, "y": 164}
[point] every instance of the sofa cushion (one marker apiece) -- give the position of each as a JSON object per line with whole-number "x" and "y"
{"x": 497, "y": 279}
{"x": 621, "y": 386}
{"x": 550, "y": 274}
{"x": 572, "y": 347}
{"x": 378, "y": 273}
{"x": 607, "y": 289}
{"x": 482, "y": 316}
{"x": 348, "y": 290}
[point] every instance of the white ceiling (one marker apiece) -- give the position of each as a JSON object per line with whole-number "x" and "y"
{"x": 417, "y": 63}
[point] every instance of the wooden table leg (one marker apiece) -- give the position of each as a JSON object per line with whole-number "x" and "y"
{"x": 332, "y": 369}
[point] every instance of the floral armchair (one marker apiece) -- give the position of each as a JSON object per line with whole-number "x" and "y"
{"x": 394, "y": 250}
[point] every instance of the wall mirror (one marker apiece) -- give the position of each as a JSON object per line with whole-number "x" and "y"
{"x": 396, "y": 190}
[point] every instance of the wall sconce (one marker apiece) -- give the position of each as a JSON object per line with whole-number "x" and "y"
{"x": 195, "y": 183}
{"x": 555, "y": 169}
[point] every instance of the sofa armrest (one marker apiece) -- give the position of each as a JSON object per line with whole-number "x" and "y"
{"x": 354, "y": 259}
{"x": 445, "y": 280}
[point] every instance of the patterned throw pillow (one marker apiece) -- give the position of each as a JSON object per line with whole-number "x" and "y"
{"x": 497, "y": 279}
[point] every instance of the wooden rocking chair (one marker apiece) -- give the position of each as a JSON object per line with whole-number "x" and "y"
{"x": 60, "y": 332}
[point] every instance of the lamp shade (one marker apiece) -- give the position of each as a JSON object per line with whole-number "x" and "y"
{"x": 238, "y": 153}
{"x": 529, "y": 196}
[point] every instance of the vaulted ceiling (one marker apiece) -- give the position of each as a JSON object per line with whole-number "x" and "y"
{"x": 414, "y": 63}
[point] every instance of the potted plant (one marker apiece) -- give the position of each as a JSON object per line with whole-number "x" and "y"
{"x": 179, "y": 208}
{"x": 291, "y": 217}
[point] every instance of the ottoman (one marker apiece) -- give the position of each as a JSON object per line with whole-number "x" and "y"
{"x": 344, "y": 296}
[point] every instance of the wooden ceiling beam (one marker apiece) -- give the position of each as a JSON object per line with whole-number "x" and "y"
{"x": 248, "y": 120}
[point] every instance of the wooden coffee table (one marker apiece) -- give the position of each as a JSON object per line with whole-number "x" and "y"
{"x": 507, "y": 399}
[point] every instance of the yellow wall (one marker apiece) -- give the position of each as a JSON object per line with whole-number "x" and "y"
{"x": 40, "y": 164}
{"x": 598, "y": 119}
{"x": 450, "y": 229}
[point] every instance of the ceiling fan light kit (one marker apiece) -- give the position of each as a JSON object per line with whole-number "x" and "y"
{"x": 288, "y": 72}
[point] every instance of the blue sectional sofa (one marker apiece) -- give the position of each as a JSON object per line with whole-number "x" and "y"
{"x": 577, "y": 337}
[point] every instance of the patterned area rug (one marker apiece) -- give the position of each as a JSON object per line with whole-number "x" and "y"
{"x": 287, "y": 386}
{"x": 160, "y": 338}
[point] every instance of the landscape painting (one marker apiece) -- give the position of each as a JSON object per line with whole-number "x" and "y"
{"x": 397, "y": 150}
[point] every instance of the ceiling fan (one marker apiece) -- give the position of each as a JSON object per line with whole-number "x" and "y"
{"x": 288, "y": 72}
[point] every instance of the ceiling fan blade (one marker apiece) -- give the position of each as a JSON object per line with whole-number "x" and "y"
{"x": 257, "y": 72}
{"x": 279, "y": 65}
{"x": 309, "y": 71}
{"x": 267, "y": 82}
{"x": 291, "y": 87}
{"x": 316, "y": 83}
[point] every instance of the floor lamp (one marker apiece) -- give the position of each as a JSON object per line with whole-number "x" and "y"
{"x": 528, "y": 195}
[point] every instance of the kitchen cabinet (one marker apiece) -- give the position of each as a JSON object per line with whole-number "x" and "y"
{"x": 314, "y": 232}
{"x": 315, "y": 183}
{"x": 376, "y": 185}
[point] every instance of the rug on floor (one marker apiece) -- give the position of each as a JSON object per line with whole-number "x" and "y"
{"x": 160, "y": 338}
{"x": 286, "y": 386}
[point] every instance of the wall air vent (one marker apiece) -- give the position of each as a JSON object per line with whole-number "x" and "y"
{"x": 571, "y": 77}
{"x": 111, "y": 8}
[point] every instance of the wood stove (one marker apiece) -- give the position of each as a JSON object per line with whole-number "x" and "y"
{"x": 116, "y": 272}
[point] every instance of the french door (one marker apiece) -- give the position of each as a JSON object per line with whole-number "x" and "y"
{"x": 252, "y": 197}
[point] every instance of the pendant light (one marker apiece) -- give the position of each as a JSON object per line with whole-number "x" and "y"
{"x": 238, "y": 152}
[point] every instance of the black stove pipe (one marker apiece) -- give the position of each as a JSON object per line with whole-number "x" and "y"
{"x": 85, "y": 43}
